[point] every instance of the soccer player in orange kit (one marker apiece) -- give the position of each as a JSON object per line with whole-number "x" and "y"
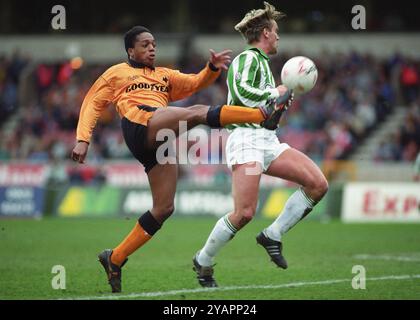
{"x": 141, "y": 93}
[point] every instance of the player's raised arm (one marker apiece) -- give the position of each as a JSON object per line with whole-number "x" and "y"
{"x": 96, "y": 100}
{"x": 184, "y": 85}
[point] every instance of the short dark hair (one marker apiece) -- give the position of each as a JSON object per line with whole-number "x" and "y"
{"x": 130, "y": 36}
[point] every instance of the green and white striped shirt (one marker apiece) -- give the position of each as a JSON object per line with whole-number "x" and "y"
{"x": 250, "y": 82}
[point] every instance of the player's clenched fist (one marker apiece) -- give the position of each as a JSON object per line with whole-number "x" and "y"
{"x": 79, "y": 152}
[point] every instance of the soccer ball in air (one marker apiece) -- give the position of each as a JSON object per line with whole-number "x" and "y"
{"x": 299, "y": 74}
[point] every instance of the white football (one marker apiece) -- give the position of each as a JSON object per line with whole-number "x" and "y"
{"x": 299, "y": 74}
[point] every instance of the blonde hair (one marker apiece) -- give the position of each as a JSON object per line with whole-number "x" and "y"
{"x": 255, "y": 21}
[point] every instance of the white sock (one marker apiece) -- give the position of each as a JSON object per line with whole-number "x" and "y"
{"x": 297, "y": 207}
{"x": 222, "y": 232}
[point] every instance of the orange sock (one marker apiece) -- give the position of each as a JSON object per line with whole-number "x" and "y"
{"x": 237, "y": 114}
{"x": 136, "y": 238}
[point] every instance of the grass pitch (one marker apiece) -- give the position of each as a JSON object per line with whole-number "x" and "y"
{"x": 320, "y": 255}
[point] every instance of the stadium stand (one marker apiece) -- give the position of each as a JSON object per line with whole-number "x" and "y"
{"x": 353, "y": 95}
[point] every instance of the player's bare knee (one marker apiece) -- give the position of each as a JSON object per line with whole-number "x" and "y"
{"x": 198, "y": 113}
{"x": 164, "y": 211}
{"x": 169, "y": 210}
{"x": 246, "y": 214}
{"x": 321, "y": 187}
{"x": 317, "y": 188}
{"x": 198, "y": 108}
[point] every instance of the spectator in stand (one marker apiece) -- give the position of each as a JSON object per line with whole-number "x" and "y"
{"x": 410, "y": 81}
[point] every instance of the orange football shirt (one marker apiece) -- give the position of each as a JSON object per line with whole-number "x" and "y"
{"x": 128, "y": 87}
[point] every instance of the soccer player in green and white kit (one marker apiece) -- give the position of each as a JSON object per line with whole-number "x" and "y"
{"x": 252, "y": 150}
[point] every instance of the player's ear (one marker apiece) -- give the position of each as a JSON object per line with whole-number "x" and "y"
{"x": 130, "y": 52}
{"x": 266, "y": 31}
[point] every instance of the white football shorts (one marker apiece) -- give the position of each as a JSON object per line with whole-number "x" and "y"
{"x": 248, "y": 145}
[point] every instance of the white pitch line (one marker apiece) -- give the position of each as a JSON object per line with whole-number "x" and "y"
{"x": 253, "y": 287}
{"x": 387, "y": 257}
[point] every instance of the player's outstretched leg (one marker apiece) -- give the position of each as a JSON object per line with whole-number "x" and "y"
{"x": 214, "y": 116}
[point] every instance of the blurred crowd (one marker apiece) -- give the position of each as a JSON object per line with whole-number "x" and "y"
{"x": 40, "y": 104}
{"x": 402, "y": 144}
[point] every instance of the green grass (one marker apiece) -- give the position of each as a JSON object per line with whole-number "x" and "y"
{"x": 315, "y": 252}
